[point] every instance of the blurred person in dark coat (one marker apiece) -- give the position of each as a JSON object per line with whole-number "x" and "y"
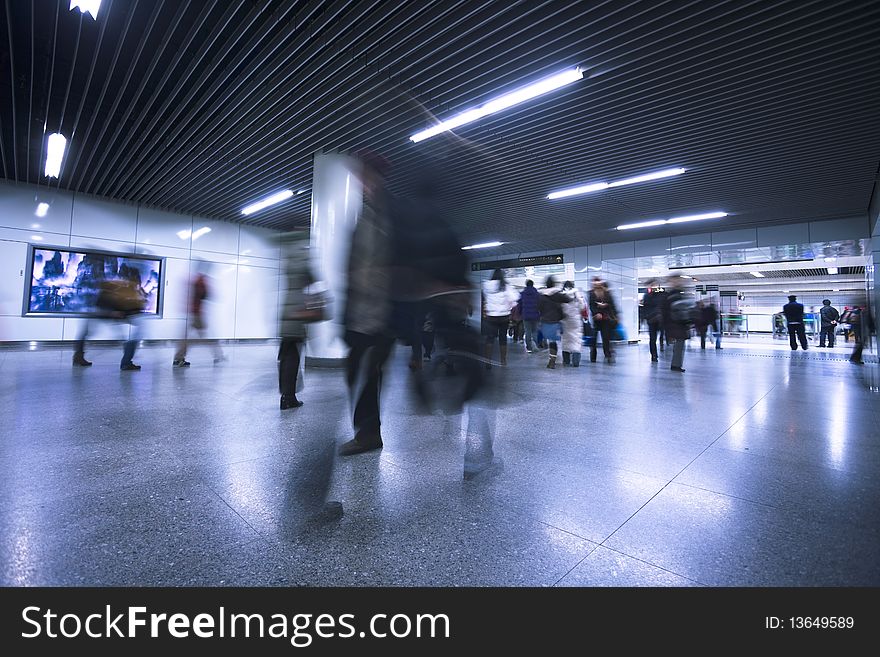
{"x": 652, "y": 306}
{"x": 603, "y": 311}
{"x": 794, "y": 316}
{"x": 367, "y": 317}
{"x": 528, "y": 306}
{"x": 678, "y": 313}
{"x": 828, "y": 316}
{"x": 292, "y": 327}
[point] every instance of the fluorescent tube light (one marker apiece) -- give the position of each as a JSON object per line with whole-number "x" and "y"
{"x": 599, "y": 186}
{"x": 204, "y": 230}
{"x": 674, "y": 220}
{"x": 757, "y": 274}
{"x": 55, "y": 146}
{"x": 86, "y": 7}
{"x": 485, "y": 245}
{"x": 184, "y": 234}
{"x": 832, "y": 270}
{"x": 266, "y": 202}
{"x": 502, "y": 102}
{"x": 696, "y": 217}
{"x": 830, "y": 259}
{"x": 36, "y": 238}
{"x": 302, "y": 191}
{"x": 42, "y": 209}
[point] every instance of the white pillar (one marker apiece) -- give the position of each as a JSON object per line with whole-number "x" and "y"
{"x": 336, "y": 204}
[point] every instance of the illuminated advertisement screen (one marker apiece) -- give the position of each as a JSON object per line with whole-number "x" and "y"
{"x": 67, "y": 281}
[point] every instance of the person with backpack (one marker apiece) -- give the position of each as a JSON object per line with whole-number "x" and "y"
{"x": 678, "y": 314}
{"x": 550, "y": 306}
{"x": 829, "y": 316}
{"x": 528, "y": 306}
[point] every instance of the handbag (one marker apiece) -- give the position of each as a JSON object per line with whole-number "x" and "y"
{"x": 315, "y": 305}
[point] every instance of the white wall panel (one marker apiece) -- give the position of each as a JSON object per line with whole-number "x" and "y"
{"x": 101, "y": 245}
{"x": 223, "y": 237}
{"x": 258, "y": 242}
{"x": 30, "y": 328}
{"x": 103, "y": 219}
{"x": 177, "y": 280}
{"x": 162, "y": 329}
{"x": 162, "y": 251}
{"x": 156, "y": 227}
{"x": 18, "y": 206}
{"x": 210, "y": 256}
{"x": 219, "y": 309}
{"x": 13, "y": 257}
{"x": 256, "y": 308}
{"x": 35, "y": 237}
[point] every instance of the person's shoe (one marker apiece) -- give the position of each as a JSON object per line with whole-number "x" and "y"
{"x": 551, "y": 363}
{"x": 677, "y": 369}
{"x": 355, "y": 446}
{"x": 427, "y": 356}
{"x": 856, "y": 362}
{"x": 129, "y": 367}
{"x": 219, "y": 359}
{"x": 180, "y": 362}
{"x": 655, "y": 360}
{"x": 330, "y": 512}
{"x": 80, "y": 361}
{"x": 290, "y": 402}
{"x": 718, "y": 348}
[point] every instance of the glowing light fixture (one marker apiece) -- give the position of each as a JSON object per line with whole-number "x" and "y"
{"x": 302, "y": 191}
{"x": 757, "y": 274}
{"x": 42, "y": 209}
{"x": 485, "y": 245}
{"x": 184, "y": 234}
{"x": 599, "y": 186}
{"x": 830, "y": 259}
{"x": 502, "y": 102}
{"x": 86, "y": 7}
{"x": 36, "y": 238}
{"x": 832, "y": 270}
{"x": 266, "y": 202}
{"x": 55, "y": 146}
{"x": 674, "y": 220}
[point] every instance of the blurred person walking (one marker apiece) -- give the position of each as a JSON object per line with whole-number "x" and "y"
{"x": 121, "y": 300}
{"x": 653, "y": 310}
{"x": 298, "y": 308}
{"x": 199, "y": 291}
{"x": 367, "y": 317}
{"x": 862, "y": 327}
{"x": 678, "y": 313}
{"x": 528, "y": 305}
{"x": 706, "y": 317}
{"x": 604, "y": 314}
{"x": 498, "y": 299}
{"x": 550, "y": 306}
{"x": 828, "y": 316}
{"x": 794, "y": 316}
{"x": 572, "y": 325}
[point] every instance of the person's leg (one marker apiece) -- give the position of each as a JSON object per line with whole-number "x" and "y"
{"x": 502, "y": 324}
{"x": 792, "y": 336}
{"x": 678, "y": 354}
{"x": 288, "y": 370}
{"x": 856, "y": 356}
{"x": 653, "y": 330}
{"x": 822, "y": 333}
{"x": 364, "y": 374}
{"x": 79, "y": 355}
{"x": 802, "y": 336}
{"x": 703, "y": 330}
{"x": 131, "y": 344}
{"x": 607, "y": 347}
{"x": 182, "y": 344}
{"x": 594, "y": 346}
{"x": 575, "y": 359}
{"x": 717, "y": 337}
{"x": 428, "y": 343}
{"x": 531, "y": 329}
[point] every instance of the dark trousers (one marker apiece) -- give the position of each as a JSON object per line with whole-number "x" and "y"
{"x": 496, "y": 327}
{"x": 604, "y": 328}
{"x": 128, "y": 348}
{"x": 288, "y": 366}
{"x": 428, "y": 342}
{"x": 856, "y": 356}
{"x": 366, "y": 357}
{"x": 797, "y": 332}
{"x": 829, "y": 332}
{"x": 653, "y": 332}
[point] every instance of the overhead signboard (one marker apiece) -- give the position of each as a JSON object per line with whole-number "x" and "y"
{"x": 510, "y": 263}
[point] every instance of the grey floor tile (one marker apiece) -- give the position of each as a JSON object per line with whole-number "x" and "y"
{"x": 604, "y": 567}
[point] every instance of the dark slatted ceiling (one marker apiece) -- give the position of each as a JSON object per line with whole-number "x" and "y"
{"x": 203, "y": 107}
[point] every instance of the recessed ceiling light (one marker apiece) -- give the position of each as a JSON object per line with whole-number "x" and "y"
{"x": 266, "y": 202}
{"x": 674, "y": 220}
{"x": 55, "y": 145}
{"x": 502, "y": 102}
{"x": 832, "y": 270}
{"x": 184, "y": 234}
{"x": 42, "y": 209}
{"x": 484, "y": 245}
{"x": 757, "y": 274}
{"x": 599, "y": 186}
{"x": 830, "y": 259}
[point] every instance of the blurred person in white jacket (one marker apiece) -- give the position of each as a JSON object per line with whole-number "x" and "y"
{"x": 572, "y": 325}
{"x": 499, "y": 297}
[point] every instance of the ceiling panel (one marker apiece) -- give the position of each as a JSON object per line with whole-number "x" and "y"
{"x": 203, "y": 107}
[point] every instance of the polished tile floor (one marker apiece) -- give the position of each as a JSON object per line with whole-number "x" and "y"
{"x": 745, "y": 471}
